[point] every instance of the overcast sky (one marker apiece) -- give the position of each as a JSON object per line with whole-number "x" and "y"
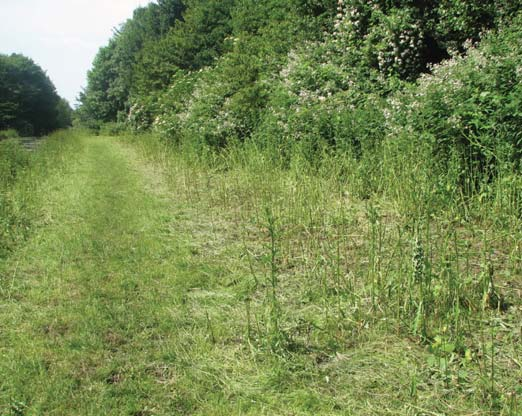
{"x": 62, "y": 36}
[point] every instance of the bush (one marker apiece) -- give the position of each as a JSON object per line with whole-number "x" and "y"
{"x": 468, "y": 109}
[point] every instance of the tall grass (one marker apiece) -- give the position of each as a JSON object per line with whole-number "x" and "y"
{"x": 363, "y": 212}
{"x": 439, "y": 268}
{"x": 22, "y": 177}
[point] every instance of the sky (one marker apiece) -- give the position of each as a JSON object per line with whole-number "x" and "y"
{"x": 62, "y": 36}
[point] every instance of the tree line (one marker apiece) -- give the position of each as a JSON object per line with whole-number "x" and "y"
{"x": 29, "y": 102}
{"x": 310, "y": 75}
{"x": 395, "y": 38}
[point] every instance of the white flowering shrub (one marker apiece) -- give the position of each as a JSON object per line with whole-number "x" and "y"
{"x": 396, "y": 44}
{"x": 468, "y": 108}
{"x": 389, "y": 39}
{"x": 324, "y": 98}
{"x": 141, "y": 114}
{"x": 172, "y": 105}
{"x": 217, "y": 104}
{"x": 403, "y": 37}
{"x": 351, "y": 88}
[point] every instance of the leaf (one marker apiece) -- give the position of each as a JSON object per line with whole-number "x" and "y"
{"x": 447, "y": 347}
{"x": 432, "y": 361}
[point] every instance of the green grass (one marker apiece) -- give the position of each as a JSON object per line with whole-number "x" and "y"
{"x": 154, "y": 282}
{"x": 322, "y": 273}
{"x": 21, "y": 175}
{"x": 8, "y": 134}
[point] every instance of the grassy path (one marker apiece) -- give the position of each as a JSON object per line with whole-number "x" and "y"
{"x": 135, "y": 297}
{"x": 86, "y": 313}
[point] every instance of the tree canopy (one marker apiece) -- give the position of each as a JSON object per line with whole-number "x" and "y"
{"x": 396, "y": 38}
{"x": 28, "y": 99}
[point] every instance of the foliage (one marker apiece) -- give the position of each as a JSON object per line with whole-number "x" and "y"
{"x": 124, "y": 64}
{"x": 468, "y": 110}
{"x": 140, "y": 61}
{"x": 308, "y": 78}
{"x": 64, "y": 116}
{"x": 112, "y": 129}
{"x": 28, "y": 99}
{"x": 22, "y": 177}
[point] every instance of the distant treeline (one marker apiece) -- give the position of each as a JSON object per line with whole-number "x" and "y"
{"x": 29, "y": 103}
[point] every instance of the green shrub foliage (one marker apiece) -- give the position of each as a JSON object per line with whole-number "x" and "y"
{"x": 308, "y": 77}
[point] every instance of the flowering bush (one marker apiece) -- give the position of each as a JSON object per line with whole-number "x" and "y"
{"x": 351, "y": 88}
{"x": 468, "y": 108}
{"x": 389, "y": 39}
{"x": 141, "y": 114}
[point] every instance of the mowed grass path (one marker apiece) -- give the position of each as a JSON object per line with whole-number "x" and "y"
{"x": 90, "y": 305}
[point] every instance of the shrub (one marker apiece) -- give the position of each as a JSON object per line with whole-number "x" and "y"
{"x": 468, "y": 108}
